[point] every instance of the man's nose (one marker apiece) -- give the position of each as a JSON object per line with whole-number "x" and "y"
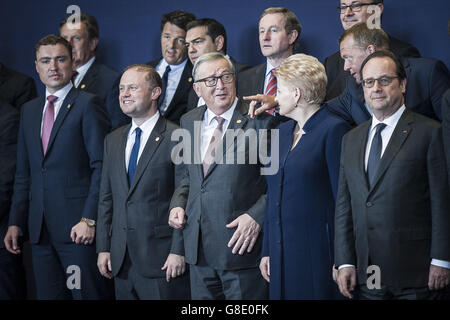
{"x": 346, "y": 65}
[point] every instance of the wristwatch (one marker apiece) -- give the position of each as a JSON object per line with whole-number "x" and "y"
{"x": 89, "y": 222}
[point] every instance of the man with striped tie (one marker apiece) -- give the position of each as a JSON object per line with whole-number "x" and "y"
{"x": 279, "y": 29}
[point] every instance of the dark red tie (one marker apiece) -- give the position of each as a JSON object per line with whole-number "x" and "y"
{"x": 47, "y": 123}
{"x": 271, "y": 89}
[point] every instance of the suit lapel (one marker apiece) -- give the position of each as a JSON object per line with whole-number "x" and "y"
{"x": 196, "y": 116}
{"x": 261, "y": 75}
{"x": 153, "y": 142}
{"x": 89, "y": 77}
{"x": 121, "y": 159}
{"x": 185, "y": 81}
{"x": 36, "y": 125}
{"x": 361, "y": 146}
{"x": 63, "y": 111}
{"x": 400, "y": 134}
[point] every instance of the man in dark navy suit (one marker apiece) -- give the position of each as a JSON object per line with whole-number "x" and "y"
{"x": 174, "y": 67}
{"x": 91, "y": 75}
{"x": 427, "y": 79}
{"x": 351, "y": 13}
{"x": 59, "y": 163}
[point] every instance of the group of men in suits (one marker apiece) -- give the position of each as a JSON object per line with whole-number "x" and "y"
{"x": 121, "y": 208}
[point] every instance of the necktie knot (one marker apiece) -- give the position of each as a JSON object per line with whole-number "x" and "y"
{"x": 51, "y": 99}
{"x": 168, "y": 69}
{"x": 138, "y": 132}
{"x": 379, "y": 127}
{"x": 220, "y": 121}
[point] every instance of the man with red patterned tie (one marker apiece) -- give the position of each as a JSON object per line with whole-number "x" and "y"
{"x": 59, "y": 163}
{"x": 279, "y": 29}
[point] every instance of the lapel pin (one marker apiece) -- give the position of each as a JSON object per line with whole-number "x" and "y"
{"x": 239, "y": 121}
{"x": 83, "y": 86}
{"x": 157, "y": 139}
{"x": 190, "y": 79}
{"x": 68, "y": 106}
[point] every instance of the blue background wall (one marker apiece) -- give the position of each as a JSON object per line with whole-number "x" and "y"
{"x": 129, "y": 30}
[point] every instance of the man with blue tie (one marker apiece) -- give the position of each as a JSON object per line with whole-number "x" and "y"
{"x": 392, "y": 205}
{"x": 134, "y": 241}
{"x": 59, "y": 163}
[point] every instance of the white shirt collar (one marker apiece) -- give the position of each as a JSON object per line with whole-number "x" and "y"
{"x": 269, "y": 67}
{"x": 85, "y": 67}
{"x": 391, "y": 121}
{"x": 227, "y": 115}
{"x": 147, "y": 125}
{"x": 61, "y": 93}
{"x": 173, "y": 67}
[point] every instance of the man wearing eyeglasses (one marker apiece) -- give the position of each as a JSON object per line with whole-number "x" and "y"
{"x": 203, "y": 36}
{"x": 427, "y": 79}
{"x": 393, "y": 200}
{"x": 220, "y": 217}
{"x": 353, "y": 12}
{"x": 174, "y": 68}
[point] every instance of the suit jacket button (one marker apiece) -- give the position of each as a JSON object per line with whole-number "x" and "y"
{"x": 44, "y": 169}
{"x": 198, "y": 220}
{"x": 369, "y": 204}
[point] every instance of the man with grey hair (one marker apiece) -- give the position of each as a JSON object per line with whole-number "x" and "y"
{"x": 220, "y": 220}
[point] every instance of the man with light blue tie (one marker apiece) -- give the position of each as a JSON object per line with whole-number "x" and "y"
{"x": 134, "y": 241}
{"x": 174, "y": 68}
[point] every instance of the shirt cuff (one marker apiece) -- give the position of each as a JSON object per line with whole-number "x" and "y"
{"x": 440, "y": 263}
{"x": 345, "y": 266}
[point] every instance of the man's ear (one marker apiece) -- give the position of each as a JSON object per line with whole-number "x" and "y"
{"x": 371, "y": 49}
{"x": 403, "y": 86}
{"x": 293, "y": 35}
{"x": 219, "y": 42}
{"x": 93, "y": 44}
{"x": 156, "y": 92}
{"x": 197, "y": 89}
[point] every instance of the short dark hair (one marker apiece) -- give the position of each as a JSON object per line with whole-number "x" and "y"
{"x": 365, "y": 36}
{"x": 152, "y": 75}
{"x": 179, "y": 18}
{"x": 400, "y": 70}
{"x": 53, "y": 39}
{"x": 213, "y": 29}
{"x": 89, "y": 21}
